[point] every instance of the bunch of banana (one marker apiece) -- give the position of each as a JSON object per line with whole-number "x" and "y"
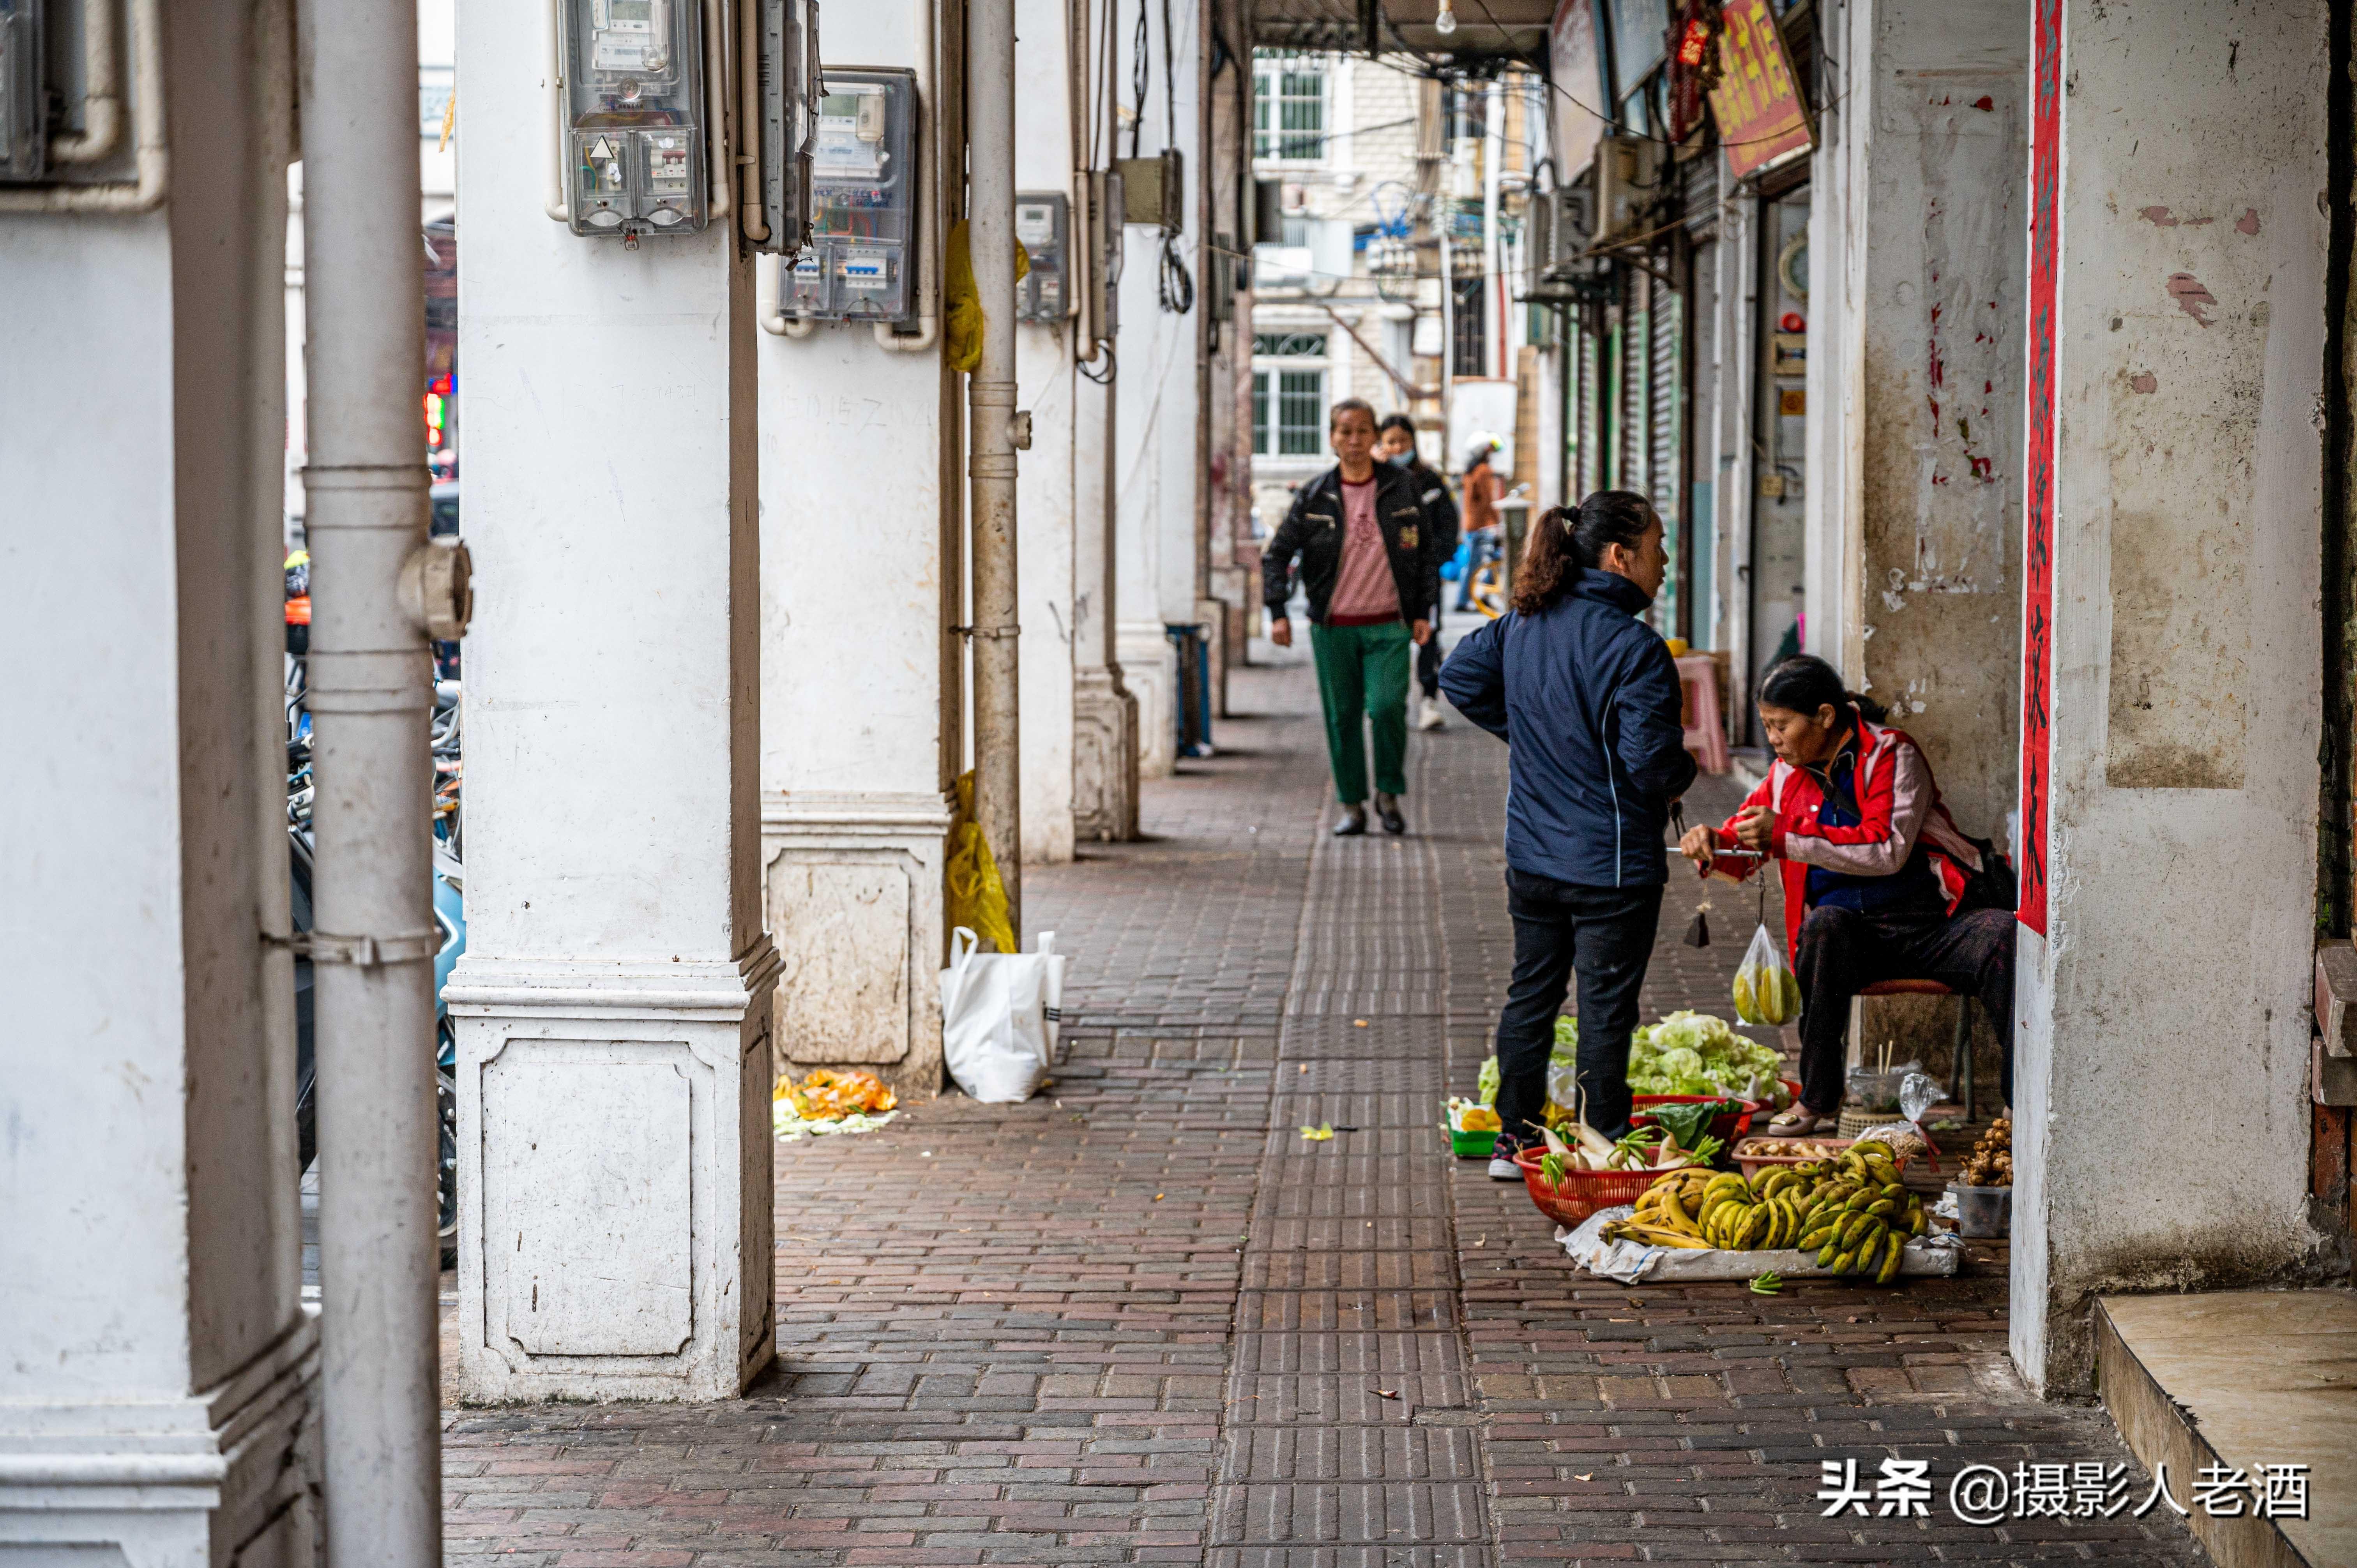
{"x": 1851, "y": 1210}
{"x": 1664, "y": 1215}
{"x": 1860, "y": 1215}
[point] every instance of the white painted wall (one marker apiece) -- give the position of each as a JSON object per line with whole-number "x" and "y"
{"x": 1157, "y": 461}
{"x": 1046, "y": 80}
{"x": 151, "y": 1250}
{"x": 2164, "y": 1012}
{"x": 617, "y": 959}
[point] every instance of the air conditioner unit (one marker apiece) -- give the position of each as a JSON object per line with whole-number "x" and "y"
{"x": 1629, "y": 179}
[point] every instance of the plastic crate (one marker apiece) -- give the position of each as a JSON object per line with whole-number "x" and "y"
{"x": 1582, "y": 1192}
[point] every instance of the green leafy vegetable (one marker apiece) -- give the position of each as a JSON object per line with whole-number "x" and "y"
{"x": 1767, "y": 1284}
{"x": 1552, "y": 1167}
{"x": 1684, "y": 1124}
{"x": 1486, "y": 1088}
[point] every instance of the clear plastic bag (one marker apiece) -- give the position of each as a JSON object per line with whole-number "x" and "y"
{"x": 1766, "y": 991}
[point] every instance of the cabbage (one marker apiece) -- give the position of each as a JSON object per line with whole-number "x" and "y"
{"x": 1487, "y": 1091}
{"x": 1694, "y": 1053}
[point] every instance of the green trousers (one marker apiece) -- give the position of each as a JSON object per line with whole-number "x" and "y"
{"x": 1364, "y": 670}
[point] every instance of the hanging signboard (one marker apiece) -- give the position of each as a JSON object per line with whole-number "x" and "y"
{"x": 1762, "y": 122}
{"x": 1575, "y": 72}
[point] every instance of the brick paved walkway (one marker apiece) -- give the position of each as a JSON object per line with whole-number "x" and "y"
{"x": 1141, "y": 1320}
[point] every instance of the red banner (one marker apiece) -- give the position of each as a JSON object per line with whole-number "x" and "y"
{"x": 2038, "y": 502}
{"x": 1761, "y": 120}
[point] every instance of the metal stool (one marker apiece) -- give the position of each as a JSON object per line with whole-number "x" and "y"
{"x": 1960, "y": 1063}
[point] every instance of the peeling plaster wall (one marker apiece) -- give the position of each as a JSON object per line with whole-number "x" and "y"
{"x": 1934, "y": 267}
{"x": 1939, "y": 526}
{"x": 2169, "y": 989}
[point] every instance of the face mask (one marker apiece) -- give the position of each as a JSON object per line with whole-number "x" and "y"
{"x": 1400, "y": 459}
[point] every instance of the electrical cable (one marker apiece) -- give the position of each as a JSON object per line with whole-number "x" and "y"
{"x": 1174, "y": 285}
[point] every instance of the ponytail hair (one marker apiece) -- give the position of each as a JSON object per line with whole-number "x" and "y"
{"x": 1805, "y": 682}
{"x": 1569, "y": 539}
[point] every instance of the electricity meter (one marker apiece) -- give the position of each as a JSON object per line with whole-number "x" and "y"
{"x": 1043, "y": 227}
{"x": 789, "y": 86}
{"x": 24, "y": 104}
{"x": 859, "y": 263}
{"x": 634, "y": 117}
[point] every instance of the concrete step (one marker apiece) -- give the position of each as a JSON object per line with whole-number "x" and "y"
{"x": 2242, "y": 1379}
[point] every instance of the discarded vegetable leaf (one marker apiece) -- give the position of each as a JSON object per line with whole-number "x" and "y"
{"x": 1318, "y": 1134}
{"x": 1388, "y": 1393}
{"x": 1768, "y": 1284}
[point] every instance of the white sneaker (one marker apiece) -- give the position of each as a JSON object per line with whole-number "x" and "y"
{"x": 1427, "y": 717}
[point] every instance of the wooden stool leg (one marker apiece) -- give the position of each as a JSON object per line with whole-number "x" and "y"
{"x": 1963, "y": 1062}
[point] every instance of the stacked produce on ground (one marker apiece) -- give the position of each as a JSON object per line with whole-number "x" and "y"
{"x": 1686, "y": 1053}
{"x": 1854, "y": 1212}
{"x": 1991, "y": 1162}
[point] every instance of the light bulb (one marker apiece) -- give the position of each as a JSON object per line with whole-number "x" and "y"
{"x": 1446, "y": 23}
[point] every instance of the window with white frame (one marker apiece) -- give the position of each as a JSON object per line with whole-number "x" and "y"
{"x": 1288, "y": 394}
{"x": 1289, "y": 108}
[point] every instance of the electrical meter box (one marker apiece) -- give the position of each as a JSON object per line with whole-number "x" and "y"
{"x": 634, "y": 116}
{"x": 859, "y": 264}
{"x": 24, "y": 103}
{"x": 1043, "y": 227}
{"x": 789, "y": 85}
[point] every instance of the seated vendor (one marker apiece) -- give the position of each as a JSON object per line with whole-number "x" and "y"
{"x": 1875, "y": 870}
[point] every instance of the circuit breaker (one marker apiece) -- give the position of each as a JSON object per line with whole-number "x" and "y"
{"x": 24, "y": 102}
{"x": 860, "y": 262}
{"x": 634, "y": 117}
{"x": 1043, "y": 227}
{"x": 790, "y": 88}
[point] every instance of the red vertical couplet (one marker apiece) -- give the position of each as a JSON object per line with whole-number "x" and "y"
{"x": 2038, "y": 506}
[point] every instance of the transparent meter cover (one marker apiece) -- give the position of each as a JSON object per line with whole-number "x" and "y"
{"x": 863, "y": 201}
{"x": 634, "y": 90}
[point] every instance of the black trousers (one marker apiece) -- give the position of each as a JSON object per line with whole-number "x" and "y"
{"x": 1605, "y": 936}
{"x": 1427, "y": 660}
{"x": 1843, "y": 951}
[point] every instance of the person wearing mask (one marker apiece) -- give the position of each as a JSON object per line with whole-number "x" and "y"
{"x": 1879, "y": 882}
{"x": 1484, "y": 490}
{"x": 1395, "y": 443}
{"x": 1358, "y": 531}
{"x": 1586, "y": 697}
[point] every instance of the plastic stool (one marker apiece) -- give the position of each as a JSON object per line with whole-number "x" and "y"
{"x": 1960, "y": 1064}
{"x": 1705, "y": 731}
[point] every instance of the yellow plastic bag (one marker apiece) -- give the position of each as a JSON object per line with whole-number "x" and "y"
{"x": 962, "y": 307}
{"x": 976, "y": 899}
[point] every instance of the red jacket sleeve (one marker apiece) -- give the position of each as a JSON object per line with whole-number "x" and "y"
{"x": 1723, "y": 835}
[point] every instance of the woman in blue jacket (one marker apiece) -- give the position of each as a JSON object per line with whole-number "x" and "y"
{"x": 1586, "y": 696}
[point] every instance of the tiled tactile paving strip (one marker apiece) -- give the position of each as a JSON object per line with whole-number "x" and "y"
{"x": 1349, "y": 1436}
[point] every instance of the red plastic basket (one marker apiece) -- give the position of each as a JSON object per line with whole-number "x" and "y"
{"x": 1726, "y": 1128}
{"x": 1582, "y": 1192}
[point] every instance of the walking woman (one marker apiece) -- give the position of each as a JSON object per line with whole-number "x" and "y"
{"x": 1586, "y": 697}
{"x": 1879, "y": 882}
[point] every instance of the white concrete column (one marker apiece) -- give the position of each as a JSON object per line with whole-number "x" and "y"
{"x": 1921, "y": 309}
{"x": 863, "y": 511}
{"x": 1158, "y": 467}
{"x": 2171, "y": 654}
{"x": 1736, "y": 299}
{"x": 1046, "y": 82}
{"x": 160, "y": 1368}
{"x": 613, "y": 1007}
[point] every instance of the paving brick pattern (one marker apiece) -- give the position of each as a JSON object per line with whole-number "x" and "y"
{"x": 1140, "y": 1319}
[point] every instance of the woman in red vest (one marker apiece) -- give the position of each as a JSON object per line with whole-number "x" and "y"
{"x": 1879, "y": 882}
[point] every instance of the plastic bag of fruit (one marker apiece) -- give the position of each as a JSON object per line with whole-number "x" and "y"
{"x": 1765, "y": 991}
